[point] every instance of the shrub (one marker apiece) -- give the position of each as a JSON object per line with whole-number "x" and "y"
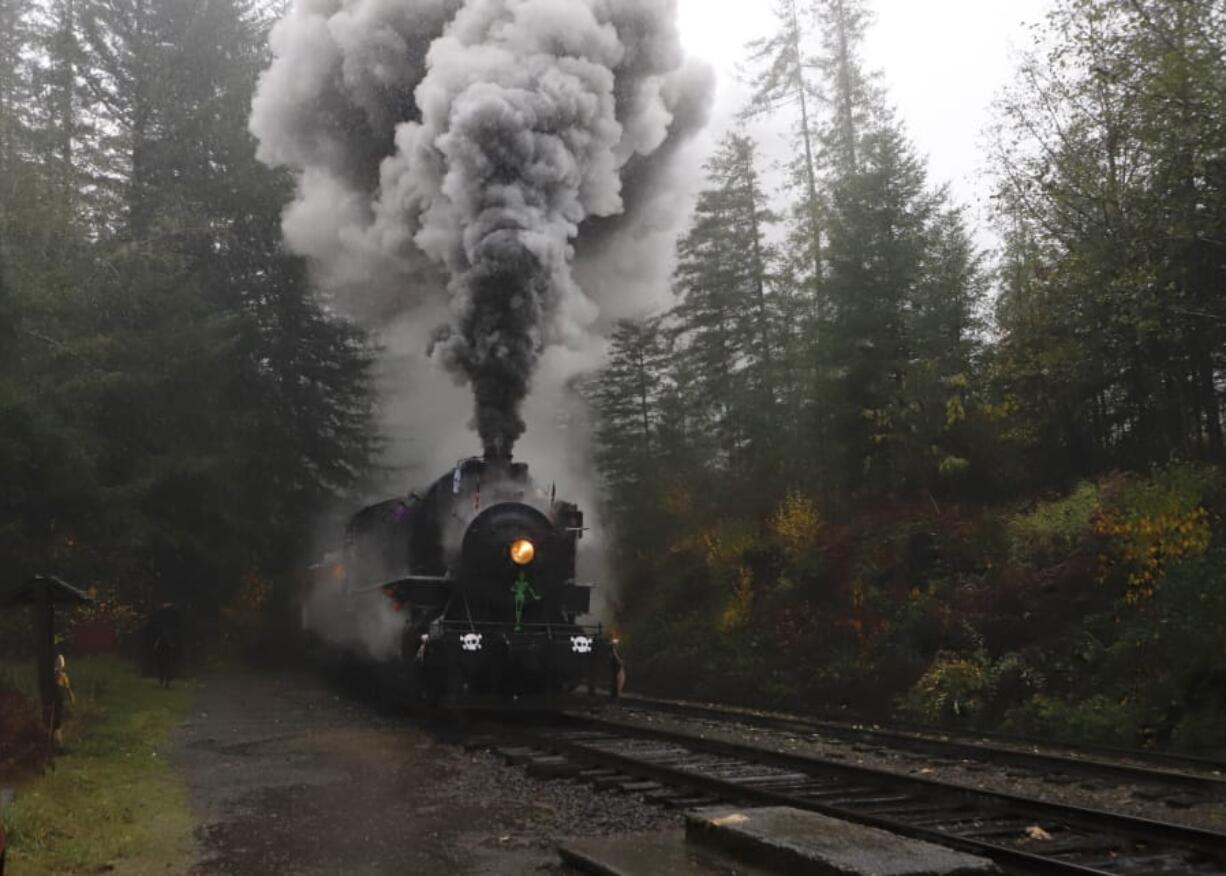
{"x": 795, "y": 525}
{"x": 1054, "y": 529}
{"x": 1098, "y": 719}
{"x": 24, "y": 738}
{"x": 970, "y": 688}
{"x": 1149, "y": 524}
{"x": 953, "y": 688}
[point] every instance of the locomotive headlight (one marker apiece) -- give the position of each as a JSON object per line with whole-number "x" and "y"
{"x": 522, "y": 552}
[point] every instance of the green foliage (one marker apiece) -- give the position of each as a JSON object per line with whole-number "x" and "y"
{"x": 971, "y": 687}
{"x": 953, "y": 687}
{"x": 174, "y": 404}
{"x": 1096, "y": 719}
{"x": 1110, "y": 190}
{"x": 1149, "y": 526}
{"x": 1100, "y": 663}
{"x": 1177, "y": 486}
{"x": 725, "y": 316}
{"x": 129, "y": 810}
{"x": 1054, "y": 529}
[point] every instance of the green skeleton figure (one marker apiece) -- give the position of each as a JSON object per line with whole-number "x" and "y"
{"x": 522, "y": 590}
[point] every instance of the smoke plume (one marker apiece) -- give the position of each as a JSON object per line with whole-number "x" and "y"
{"x": 473, "y": 157}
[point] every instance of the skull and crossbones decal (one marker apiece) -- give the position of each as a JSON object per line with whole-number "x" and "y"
{"x": 581, "y": 644}
{"x": 471, "y": 641}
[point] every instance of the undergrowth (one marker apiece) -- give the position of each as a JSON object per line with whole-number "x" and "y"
{"x": 1098, "y": 616}
{"x": 112, "y": 802}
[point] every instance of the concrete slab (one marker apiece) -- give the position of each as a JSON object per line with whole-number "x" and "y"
{"x": 518, "y": 755}
{"x": 650, "y": 854}
{"x": 799, "y": 842}
{"x": 552, "y": 768}
{"x": 605, "y": 783}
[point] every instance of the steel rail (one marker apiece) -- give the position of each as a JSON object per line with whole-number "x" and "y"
{"x": 1087, "y": 841}
{"x": 938, "y": 743}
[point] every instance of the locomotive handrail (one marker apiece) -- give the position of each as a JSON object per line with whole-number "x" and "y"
{"x": 525, "y": 627}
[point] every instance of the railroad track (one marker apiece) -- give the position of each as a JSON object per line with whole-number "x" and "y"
{"x": 1204, "y": 779}
{"x": 1022, "y": 835}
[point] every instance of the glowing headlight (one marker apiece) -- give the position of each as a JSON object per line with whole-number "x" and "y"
{"x": 522, "y": 552}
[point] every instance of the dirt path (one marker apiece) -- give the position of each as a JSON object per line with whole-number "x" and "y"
{"x": 286, "y": 777}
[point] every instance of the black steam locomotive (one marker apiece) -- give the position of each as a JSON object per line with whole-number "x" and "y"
{"x": 478, "y": 576}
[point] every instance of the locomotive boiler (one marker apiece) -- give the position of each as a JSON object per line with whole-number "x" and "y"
{"x": 479, "y": 573}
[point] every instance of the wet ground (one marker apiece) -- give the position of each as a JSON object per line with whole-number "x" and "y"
{"x": 285, "y": 775}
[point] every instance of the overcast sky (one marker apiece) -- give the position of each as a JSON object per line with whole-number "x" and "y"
{"x": 942, "y": 61}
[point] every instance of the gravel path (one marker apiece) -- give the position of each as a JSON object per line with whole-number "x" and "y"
{"x": 285, "y": 776}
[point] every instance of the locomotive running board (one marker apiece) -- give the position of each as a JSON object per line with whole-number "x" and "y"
{"x": 408, "y": 579}
{"x": 423, "y": 590}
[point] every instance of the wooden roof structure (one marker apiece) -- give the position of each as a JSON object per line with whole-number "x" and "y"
{"x": 61, "y": 592}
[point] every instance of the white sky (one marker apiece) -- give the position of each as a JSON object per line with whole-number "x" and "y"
{"x": 942, "y": 61}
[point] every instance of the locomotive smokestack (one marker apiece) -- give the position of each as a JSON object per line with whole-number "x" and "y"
{"x": 495, "y": 454}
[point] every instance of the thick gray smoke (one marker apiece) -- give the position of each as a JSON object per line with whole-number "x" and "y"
{"x": 455, "y": 157}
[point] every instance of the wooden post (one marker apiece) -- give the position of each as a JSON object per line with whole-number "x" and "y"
{"x": 44, "y": 648}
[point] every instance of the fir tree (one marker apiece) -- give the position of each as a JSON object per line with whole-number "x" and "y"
{"x": 725, "y": 311}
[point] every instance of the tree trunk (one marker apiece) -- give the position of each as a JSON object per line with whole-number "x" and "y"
{"x": 642, "y": 369}
{"x": 847, "y": 124}
{"x": 1207, "y": 391}
{"x": 810, "y": 170}
{"x": 759, "y": 267}
{"x": 44, "y": 650}
{"x": 140, "y": 184}
{"x": 65, "y": 79}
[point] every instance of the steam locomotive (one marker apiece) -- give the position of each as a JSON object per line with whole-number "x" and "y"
{"x": 477, "y": 577}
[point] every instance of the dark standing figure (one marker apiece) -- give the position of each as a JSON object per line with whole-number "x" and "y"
{"x": 164, "y": 632}
{"x": 617, "y": 670}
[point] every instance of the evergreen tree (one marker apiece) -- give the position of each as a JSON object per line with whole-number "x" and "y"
{"x": 725, "y": 315}
{"x": 59, "y": 92}
{"x": 7, "y": 314}
{"x": 132, "y": 52}
{"x": 895, "y": 344}
{"x": 849, "y": 95}
{"x": 877, "y": 241}
{"x": 170, "y": 355}
{"x": 628, "y": 396}
{"x": 14, "y": 43}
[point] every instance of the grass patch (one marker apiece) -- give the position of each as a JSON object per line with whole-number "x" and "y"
{"x": 113, "y": 801}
